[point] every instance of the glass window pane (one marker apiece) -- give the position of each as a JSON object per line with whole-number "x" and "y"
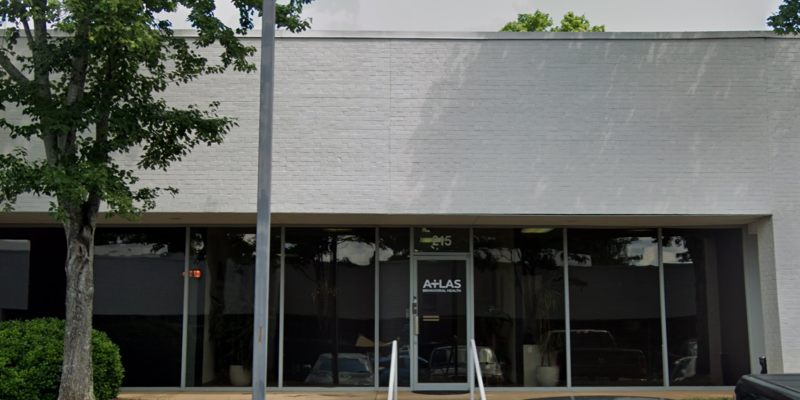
{"x": 329, "y": 307}
{"x": 615, "y": 308}
{"x": 41, "y": 290}
{"x": 14, "y": 274}
{"x": 395, "y": 271}
{"x": 441, "y": 240}
{"x": 442, "y": 333}
{"x": 705, "y": 306}
{"x": 138, "y": 300}
{"x": 519, "y": 306}
{"x": 221, "y": 300}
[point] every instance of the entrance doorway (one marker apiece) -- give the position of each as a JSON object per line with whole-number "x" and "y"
{"x": 441, "y": 306}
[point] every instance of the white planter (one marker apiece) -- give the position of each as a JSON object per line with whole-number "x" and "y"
{"x": 240, "y": 376}
{"x": 547, "y": 376}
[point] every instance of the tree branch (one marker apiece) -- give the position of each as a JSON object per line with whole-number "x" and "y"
{"x": 12, "y": 70}
{"x": 41, "y": 71}
{"x": 28, "y": 33}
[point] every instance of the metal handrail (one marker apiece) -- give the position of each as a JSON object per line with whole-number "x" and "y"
{"x": 477, "y": 365}
{"x": 392, "y": 392}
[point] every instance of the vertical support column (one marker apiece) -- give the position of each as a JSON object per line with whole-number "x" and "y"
{"x": 470, "y": 317}
{"x": 377, "y": 382}
{"x": 755, "y": 313}
{"x": 185, "y": 334}
{"x": 412, "y": 337}
{"x": 662, "y": 299}
{"x": 768, "y": 274}
{"x": 714, "y": 317}
{"x": 567, "y": 329}
{"x": 264, "y": 199}
{"x": 281, "y": 317}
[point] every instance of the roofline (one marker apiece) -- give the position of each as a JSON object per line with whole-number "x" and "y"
{"x": 320, "y": 34}
{"x": 423, "y": 35}
{"x": 429, "y": 35}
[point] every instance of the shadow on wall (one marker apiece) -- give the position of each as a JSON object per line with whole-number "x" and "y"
{"x": 578, "y": 127}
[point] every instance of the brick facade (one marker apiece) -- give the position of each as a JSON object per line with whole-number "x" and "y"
{"x": 623, "y": 124}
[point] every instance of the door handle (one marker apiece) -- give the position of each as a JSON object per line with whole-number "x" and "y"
{"x": 416, "y": 316}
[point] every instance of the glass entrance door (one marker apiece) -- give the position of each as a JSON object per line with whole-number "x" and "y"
{"x": 440, "y": 302}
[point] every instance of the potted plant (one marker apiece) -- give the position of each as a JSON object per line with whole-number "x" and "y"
{"x": 548, "y": 372}
{"x": 240, "y": 344}
{"x": 546, "y": 301}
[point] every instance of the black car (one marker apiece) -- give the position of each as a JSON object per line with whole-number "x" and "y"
{"x": 768, "y": 387}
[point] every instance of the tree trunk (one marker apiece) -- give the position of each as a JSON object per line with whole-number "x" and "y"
{"x": 76, "y": 376}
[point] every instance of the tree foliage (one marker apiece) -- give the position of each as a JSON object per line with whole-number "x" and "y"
{"x": 542, "y": 22}
{"x": 88, "y": 77}
{"x": 787, "y": 19}
{"x": 91, "y": 91}
{"x": 30, "y": 361}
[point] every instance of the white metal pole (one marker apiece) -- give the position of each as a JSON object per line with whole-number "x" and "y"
{"x": 261, "y": 306}
{"x": 392, "y": 392}
{"x": 663, "y": 306}
{"x": 477, "y": 363}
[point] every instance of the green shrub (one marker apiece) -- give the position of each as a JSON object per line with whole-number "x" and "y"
{"x": 30, "y": 361}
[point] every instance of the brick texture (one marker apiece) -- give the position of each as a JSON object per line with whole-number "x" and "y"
{"x": 410, "y": 126}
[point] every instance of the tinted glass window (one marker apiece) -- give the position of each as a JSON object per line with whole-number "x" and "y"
{"x": 615, "y": 307}
{"x": 519, "y": 304}
{"x": 221, "y": 300}
{"x": 441, "y": 239}
{"x": 32, "y": 281}
{"x": 138, "y": 300}
{"x": 329, "y": 306}
{"x": 395, "y": 269}
{"x": 705, "y": 307}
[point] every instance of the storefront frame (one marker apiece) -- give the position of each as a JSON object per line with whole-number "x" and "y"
{"x": 469, "y": 255}
{"x": 753, "y": 313}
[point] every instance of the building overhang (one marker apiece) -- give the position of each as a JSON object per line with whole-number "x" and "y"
{"x": 484, "y": 220}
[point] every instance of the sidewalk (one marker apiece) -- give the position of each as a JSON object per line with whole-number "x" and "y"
{"x": 671, "y": 394}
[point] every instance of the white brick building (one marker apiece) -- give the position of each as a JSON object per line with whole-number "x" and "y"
{"x": 690, "y": 133}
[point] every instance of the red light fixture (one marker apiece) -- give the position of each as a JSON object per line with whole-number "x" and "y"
{"x": 193, "y": 273}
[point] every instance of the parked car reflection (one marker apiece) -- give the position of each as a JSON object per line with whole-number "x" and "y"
{"x": 685, "y": 366}
{"x": 403, "y": 369}
{"x": 596, "y": 357}
{"x": 444, "y": 368}
{"x": 354, "y": 370}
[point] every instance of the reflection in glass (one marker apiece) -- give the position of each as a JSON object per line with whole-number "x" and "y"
{"x": 221, "y": 301}
{"x": 138, "y": 300}
{"x": 441, "y": 240}
{"x": 442, "y": 339}
{"x": 704, "y": 295}
{"x": 519, "y": 303}
{"x": 33, "y": 281}
{"x": 329, "y": 307}
{"x": 614, "y": 308}
{"x": 14, "y": 275}
{"x": 394, "y": 314}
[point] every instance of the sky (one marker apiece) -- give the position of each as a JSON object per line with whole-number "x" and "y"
{"x": 491, "y": 15}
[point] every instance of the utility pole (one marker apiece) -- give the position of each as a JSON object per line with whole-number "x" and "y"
{"x": 261, "y": 307}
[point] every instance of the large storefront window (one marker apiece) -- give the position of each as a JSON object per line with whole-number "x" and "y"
{"x": 221, "y": 298}
{"x": 615, "y": 307}
{"x": 138, "y": 300}
{"x": 395, "y": 265}
{"x": 32, "y": 277}
{"x": 705, "y": 303}
{"x": 329, "y": 307}
{"x": 519, "y": 305}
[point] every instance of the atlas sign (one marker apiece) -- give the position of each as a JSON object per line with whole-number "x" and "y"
{"x": 442, "y": 286}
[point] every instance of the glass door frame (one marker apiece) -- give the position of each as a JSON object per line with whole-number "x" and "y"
{"x": 413, "y": 293}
